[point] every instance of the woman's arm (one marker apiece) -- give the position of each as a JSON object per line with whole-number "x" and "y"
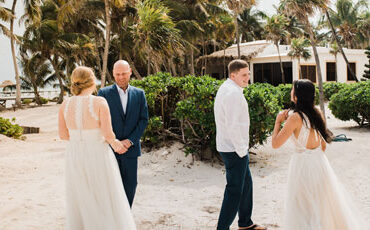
{"x": 279, "y": 137}
{"x": 62, "y": 126}
{"x": 106, "y": 127}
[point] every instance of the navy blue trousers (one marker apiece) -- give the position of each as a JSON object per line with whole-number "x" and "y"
{"x": 128, "y": 169}
{"x": 238, "y": 196}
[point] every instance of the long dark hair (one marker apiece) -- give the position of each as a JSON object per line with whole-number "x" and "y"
{"x": 304, "y": 90}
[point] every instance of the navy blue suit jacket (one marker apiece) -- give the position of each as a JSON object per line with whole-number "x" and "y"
{"x": 132, "y": 124}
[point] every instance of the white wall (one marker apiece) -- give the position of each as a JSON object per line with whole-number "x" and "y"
{"x": 357, "y": 56}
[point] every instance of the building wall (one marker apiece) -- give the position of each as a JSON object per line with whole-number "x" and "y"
{"x": 356, "y": 56}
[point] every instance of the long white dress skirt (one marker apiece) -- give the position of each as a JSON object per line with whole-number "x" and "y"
{"x": 315, "y": 198}
{"x": 95, "y": 195}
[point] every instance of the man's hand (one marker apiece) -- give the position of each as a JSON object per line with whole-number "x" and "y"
{"x": 126, "y": 143}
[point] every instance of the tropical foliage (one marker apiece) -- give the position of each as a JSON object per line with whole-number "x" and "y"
{"x": 182, "y": 108}
{"x": 9, "y": 129}
{"x": 352, "y": 103}
{"x": 166, "y": 35}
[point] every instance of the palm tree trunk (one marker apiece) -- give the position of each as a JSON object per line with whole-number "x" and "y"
{"x": 318, "y": 68}
{"x": 192, "y": 71}
{"x": 148, "y": 66}
{"x": 336, "y": 67}
{"x": 54, "y": 63}
{"x": 17, "y": 78}
{"x": 132, "y": 65}
{"x": 340, "y": 46}
{"x": 172, "y": 67}
{"x": 107, "y": 41}
{"x": 237, "y": 32}
{"x": 37, "y": 95}
{"x": 281, "y": 64}
{"x": 300, "y": 69}
{"x": 225, "y": 62}
{"x": 156, "y": 67}
{"x": 205, "y": 57}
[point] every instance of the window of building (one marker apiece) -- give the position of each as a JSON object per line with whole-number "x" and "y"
{"x": 349, "y": 76}
{"x": 271, "y": 73}
{"x": 331, "y": 72}
{"x": 308, "y": 72}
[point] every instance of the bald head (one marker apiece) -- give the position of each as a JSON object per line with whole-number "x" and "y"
{"x": 121, "y": 64}
{"x": 122, "y": 73}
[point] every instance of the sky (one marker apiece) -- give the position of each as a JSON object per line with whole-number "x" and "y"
{"x": 6, "y": 63}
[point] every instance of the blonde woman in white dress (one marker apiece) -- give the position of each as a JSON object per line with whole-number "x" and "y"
{"x": 95, "y": 197}
{"x": 315, "y": 198}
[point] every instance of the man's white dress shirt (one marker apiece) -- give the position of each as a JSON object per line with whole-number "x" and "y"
{"x": 124, "y": 96}
{"x": 232, "y": 119}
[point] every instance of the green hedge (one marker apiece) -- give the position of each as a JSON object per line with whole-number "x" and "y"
{"x": 331, "y": 88}
{"x": 182, "y": 108}
{"x": 9, "y": 129}
{"x": 283, "y": 91}
{"x": 352, "y": 103}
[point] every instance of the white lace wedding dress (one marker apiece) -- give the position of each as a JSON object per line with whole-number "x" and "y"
{"x": 95, "y": 195}
{"x": 316, "y": 200}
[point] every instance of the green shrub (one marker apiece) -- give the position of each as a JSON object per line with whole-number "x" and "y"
{"x": 263, "y": 106}
{"x": 44, "y": 100}
{"x": 9, "y": 129}
{"x": 195, "y": 112}
{"x": 284, "y": 90}
{"x": 152, "y": 132}
{"x": 182, "y": 108}
{"x": 284, "y": 95}
{"x": 331, "y": 88}
{"x": 352, "y": 103}
{"x": 26, "y": 101}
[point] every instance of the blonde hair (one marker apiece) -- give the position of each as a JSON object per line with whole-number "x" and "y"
{"x": 82, "y": 78}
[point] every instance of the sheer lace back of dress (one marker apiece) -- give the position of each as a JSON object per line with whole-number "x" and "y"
{"x": 304, "y": 134}
{"x": 81, "y": 113}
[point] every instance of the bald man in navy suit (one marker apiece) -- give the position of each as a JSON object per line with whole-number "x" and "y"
{"x": 129, "y": 114}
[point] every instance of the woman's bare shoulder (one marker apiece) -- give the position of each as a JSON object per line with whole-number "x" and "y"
{"x": 295, "y": 117}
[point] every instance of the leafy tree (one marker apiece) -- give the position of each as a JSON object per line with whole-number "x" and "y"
{"x": 276, "y": 31}
{"x": 367, "y": 71}
{"x": 299, "y": 50}
{"x": 302, "y": 9}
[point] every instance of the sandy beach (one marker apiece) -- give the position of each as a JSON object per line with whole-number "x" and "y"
{"x": 173, "y": 193}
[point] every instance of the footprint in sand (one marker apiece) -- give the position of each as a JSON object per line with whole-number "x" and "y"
{"x": 210, "y": 209}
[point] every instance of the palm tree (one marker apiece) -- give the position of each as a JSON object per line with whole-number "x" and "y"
{"x": 238, "y": 6}
{"x": 195, "y": 20}
{"x": 335, "y": 50}
{"x": 53, "y": 42}
{"x": 155, "y": 33}
{"x": 123, "y": 19}
{"x": 35, "y": 70}
{"x": 347, "y": 19}
{"x": 298, "y": 49}
{"x": 302, "y": 9}
{"x": 108, "y": 8}
{"x": 33, "y": 12}
{"x": 251, "y": 24}
{"x": 225, "y": 30}
{"x": 5, "y": 16}
{"x": 276, "y": 31}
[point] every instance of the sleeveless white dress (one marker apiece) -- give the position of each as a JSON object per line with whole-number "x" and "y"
{"x": 95, "y": 197}
{"x": 315, "y": 198}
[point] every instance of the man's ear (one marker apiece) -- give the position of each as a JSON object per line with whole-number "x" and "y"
{"x": 232, "y": 75}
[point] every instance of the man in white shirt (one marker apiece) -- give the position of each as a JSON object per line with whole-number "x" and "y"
{"x": 232, "y": 142}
